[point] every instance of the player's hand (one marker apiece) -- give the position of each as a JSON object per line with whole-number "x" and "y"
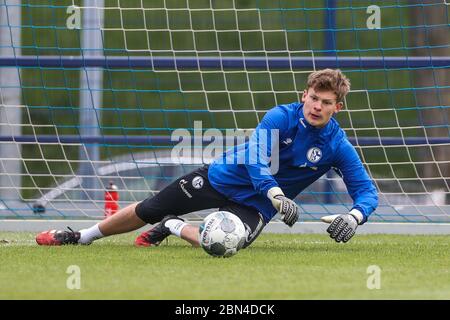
{"x": 287, "y": 208}
{"x": 343, "y": 227}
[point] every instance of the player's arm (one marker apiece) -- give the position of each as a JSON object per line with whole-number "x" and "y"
{"x": 360, "y": 188}
{"x": 261, "y": 164}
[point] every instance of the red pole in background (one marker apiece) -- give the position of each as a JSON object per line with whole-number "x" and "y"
{"x": 111, "y": 200}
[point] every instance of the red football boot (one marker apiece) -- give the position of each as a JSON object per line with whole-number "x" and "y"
{"x": 57, "y": 237}
{"x": 155, "y": 235}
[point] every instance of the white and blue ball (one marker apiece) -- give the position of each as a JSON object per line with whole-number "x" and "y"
{"x": 222, "y": 234}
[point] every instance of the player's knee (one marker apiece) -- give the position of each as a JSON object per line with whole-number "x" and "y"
{"x": 146, "y": 211}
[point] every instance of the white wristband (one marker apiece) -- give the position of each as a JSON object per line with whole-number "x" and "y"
{"x": 273, "y": 192}
{"x": 357, "y": 214}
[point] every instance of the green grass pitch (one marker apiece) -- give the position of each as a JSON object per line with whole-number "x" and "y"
{"x": 274, "y": 267}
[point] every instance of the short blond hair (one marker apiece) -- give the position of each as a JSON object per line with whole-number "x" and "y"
{"x": 329, "y": 80}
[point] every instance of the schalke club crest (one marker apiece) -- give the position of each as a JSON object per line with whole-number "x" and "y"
{"x": 314, "y": 154}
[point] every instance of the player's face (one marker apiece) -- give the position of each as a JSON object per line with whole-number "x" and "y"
{"x": 319, "y": 106}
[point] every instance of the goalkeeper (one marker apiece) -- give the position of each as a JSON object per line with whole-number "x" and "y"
{"x": 293, "y": 146}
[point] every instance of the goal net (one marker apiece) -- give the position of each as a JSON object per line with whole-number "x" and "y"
{"x": 99, "y": 91}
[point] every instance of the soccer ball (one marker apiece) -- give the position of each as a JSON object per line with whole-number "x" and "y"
{"x": 222, "y": 234}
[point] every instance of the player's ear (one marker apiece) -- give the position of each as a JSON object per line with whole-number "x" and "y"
{"x": 339, "y": 107}
{"x": 305, "y": 93}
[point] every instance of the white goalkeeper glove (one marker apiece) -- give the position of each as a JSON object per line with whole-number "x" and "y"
{"x": 287, "y": 208}
{"x": 343, "y": 226}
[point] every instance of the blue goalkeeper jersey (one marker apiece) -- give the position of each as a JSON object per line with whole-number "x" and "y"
{"x": 246, "y": 172}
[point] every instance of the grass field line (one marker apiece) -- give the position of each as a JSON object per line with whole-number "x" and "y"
{"x": 273, "y": 227}
{"x": 27, "y": 239}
